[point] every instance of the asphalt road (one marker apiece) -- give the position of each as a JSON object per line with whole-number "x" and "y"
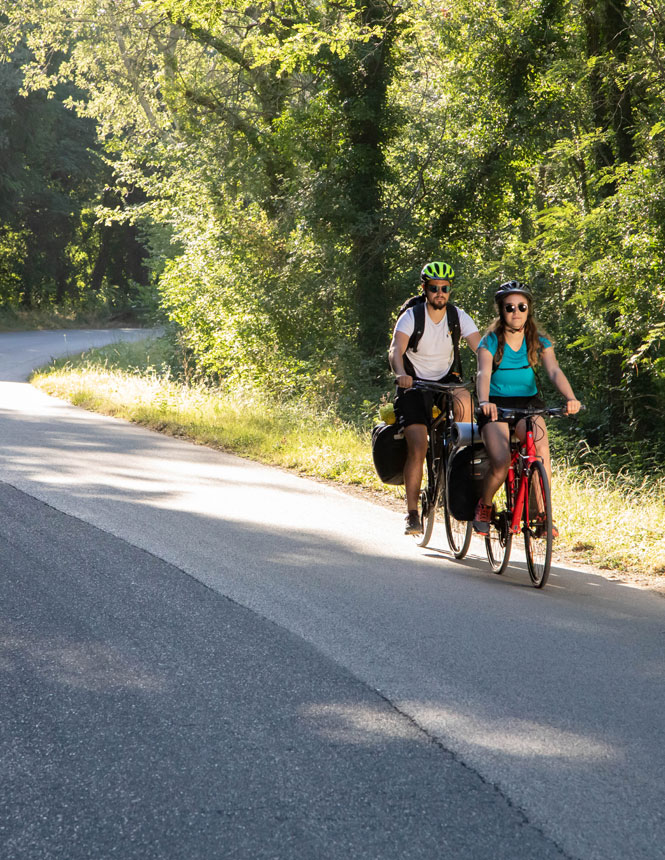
{"x": 204, "y": 657}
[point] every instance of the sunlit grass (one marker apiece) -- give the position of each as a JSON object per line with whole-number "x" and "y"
{"x": 610, "y": 520}
{"x": 602, "y": 519}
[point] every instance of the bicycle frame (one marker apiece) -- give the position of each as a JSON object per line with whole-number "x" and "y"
{"x": 523, "y": 456}
{"x": 436, "y": 436}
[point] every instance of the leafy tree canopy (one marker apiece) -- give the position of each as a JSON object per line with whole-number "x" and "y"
{"x": 298, "y": 162}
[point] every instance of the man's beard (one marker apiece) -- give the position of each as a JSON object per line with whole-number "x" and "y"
{"x": 433, "y": 301}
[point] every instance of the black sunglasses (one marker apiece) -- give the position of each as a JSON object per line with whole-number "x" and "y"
{"x": 522, "y": 306}
{"x": 437, "y": 289}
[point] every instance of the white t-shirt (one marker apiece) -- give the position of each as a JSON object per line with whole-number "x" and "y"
{"x": 435, "y": 354}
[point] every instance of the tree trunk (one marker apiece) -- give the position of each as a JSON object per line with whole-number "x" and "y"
{"x": 362, "y": 79}
{"x": 102, "y": 261}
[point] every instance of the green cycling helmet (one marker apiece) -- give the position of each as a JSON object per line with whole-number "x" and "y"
{"x": 437, "y": 271}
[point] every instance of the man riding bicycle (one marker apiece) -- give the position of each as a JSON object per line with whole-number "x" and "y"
{"x": 432, "y": 357}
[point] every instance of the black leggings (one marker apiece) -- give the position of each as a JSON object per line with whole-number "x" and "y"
{"x": 509, "y": 403}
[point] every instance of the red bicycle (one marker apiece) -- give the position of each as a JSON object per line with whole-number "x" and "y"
{"x": 524, "y": 502}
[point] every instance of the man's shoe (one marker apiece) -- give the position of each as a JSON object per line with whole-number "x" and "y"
{"x": 413, "y": 524}
{"x": 482, "y": 518}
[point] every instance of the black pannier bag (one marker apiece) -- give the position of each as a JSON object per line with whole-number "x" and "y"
{"x": 389, "y": 452}
{"x": 466, "y": 471}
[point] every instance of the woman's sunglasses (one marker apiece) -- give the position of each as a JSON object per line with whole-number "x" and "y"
{"x": 510, "y": 309}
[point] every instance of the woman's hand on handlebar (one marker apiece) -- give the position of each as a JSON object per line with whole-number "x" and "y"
{"x": 572, "y": 406}
{"x": 404, "y": 381}
{"x": 488, "y": 409}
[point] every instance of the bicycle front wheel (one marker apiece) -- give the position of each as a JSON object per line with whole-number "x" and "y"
{"x": 429, "y": 504}
{"x": 538, "y": 525}
{"x": 500, "y": 539}
{"x": 458, "y": 532}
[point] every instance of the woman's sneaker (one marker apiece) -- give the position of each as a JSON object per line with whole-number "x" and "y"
{"x": 413, "y": 524}
{"x": 482, "y": 518}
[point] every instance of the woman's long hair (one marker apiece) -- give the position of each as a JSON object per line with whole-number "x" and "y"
{"x": 532, "y": 335}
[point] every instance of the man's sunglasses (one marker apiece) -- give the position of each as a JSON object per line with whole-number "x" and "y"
{"x": 522, "y": 306}
{"x": 434, "y": 289}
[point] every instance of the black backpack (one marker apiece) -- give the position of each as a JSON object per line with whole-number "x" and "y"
{"x": 419, "y": 311}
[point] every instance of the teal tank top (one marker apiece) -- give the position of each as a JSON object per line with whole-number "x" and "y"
{"x": 513, "y": 377}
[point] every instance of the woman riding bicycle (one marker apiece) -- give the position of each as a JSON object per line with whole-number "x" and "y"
{"x": 507, "y": 355}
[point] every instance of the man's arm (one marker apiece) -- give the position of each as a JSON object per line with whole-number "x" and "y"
{"x": 398, "y": 347}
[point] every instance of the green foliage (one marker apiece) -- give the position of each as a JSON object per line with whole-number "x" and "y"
{"x": 53, "y": 249}
{"x": 293, "y": 165}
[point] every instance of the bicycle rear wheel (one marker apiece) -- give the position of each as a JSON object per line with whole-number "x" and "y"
{"x": 538, "y": 525}
{"x": 500, "y": 539}
{"x": 458, "y": 532}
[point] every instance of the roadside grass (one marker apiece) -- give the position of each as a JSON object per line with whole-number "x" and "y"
{"x": 609, "y": 521}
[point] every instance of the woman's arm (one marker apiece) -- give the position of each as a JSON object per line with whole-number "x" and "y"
{"x": 559, "y": 380}
{"x": 483, "y": 377}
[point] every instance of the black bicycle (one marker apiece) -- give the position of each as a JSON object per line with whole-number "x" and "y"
{"x": 440, "y": 447}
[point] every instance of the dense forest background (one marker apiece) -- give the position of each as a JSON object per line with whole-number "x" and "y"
{"x": 273, "y": 176}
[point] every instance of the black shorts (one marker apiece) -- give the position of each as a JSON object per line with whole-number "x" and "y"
{"x": 509, "y": 403}
{"x": 413, "y": 406}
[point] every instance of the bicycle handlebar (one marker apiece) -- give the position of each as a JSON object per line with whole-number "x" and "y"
{"x": 516, "y": 414}
{"x": 440, "y": 387}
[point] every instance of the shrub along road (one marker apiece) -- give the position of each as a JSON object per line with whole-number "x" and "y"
{"x": 203, "y": 656}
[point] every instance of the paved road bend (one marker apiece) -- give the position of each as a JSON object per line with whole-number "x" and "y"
{"x": 205, "y": 657}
